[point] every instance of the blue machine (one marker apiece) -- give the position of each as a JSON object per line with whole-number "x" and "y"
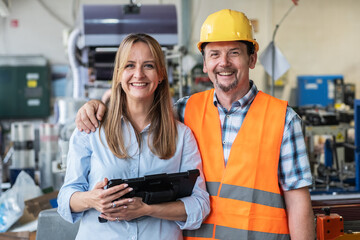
{"x": 328, "y": 153}
{"x": 357, "y": 143}
{"x": 317, "y": 90}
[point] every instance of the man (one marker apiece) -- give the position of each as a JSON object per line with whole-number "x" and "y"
{"x": 252, "y": 147}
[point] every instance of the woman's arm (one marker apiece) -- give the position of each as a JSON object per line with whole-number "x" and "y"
{"x": 197, "y": 205}
{"x": 75, "y": 196}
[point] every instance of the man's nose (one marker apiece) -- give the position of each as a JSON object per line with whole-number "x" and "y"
{"x": 224, "y": 60}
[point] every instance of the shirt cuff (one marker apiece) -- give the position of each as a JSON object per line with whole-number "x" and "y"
{"x": 64, "y": 206}
{"x": 306, "y": 182}
{"x": 195, "y": 215}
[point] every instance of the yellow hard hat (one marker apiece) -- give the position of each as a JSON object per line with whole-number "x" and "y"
{"x": 227, "y": 25}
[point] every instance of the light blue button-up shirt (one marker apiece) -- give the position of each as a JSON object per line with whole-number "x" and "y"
{"x": 90, "y": 161}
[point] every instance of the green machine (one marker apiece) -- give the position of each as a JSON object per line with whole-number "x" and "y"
{"x": 24, "y": 87}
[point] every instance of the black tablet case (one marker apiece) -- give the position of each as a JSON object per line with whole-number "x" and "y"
{"x": 159, "y": 188}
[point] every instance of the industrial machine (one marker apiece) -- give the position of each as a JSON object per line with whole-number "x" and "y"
{"x": 25, "y": 87}
{"x": 329, "y": 112}
{"x": 93, "y": 44}
{"x": 329, "y": 225}
{"x": 357, "y": 141}
{"x": 319, "y": 90}
{"x": 337, "y": 218}
{"x": 23, "y": 159}
{"x": 349, "y": 94}
{"x": 332, "y": 157}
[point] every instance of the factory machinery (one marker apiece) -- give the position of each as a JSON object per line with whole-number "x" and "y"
{"x": 331, "y": 126}
{"x": 93, "y": 44}
{"x": 335, "y": 192}
{"x": 333, "y": 150}
{"x": 329, "y": 112}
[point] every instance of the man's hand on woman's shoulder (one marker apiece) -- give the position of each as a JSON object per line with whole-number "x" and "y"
{"x": 89, "y": 114}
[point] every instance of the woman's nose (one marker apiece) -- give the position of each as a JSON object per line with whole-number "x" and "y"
{"x": 139, "y": 73}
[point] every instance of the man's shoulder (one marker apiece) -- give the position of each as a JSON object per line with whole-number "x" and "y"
{"x": 180, "y": 104}
{"x": 179, "y": 107}
{"x": 291, "y": 114}
{"x": 182, "y": 101}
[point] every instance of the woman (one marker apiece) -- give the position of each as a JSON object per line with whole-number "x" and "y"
{"x": 138, "y": 136}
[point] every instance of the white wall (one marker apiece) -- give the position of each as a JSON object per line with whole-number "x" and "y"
{"x": 321, "y": 37}
{"x": 317, "y": 37}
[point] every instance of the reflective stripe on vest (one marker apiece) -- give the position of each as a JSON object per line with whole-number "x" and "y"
{"x": 227, "y": 233}
{"x": 212, "y": 188}
{"x": 245, "y": 196}
{"x": 205, "y": 231}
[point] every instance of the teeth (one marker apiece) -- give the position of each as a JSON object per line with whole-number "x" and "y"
{"x": 225, "y": 73}
{"x": 138, "y": 84}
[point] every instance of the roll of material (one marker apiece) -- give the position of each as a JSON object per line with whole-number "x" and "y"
{"x": 22, "y": 131}
{"x": 49, "y": 150}
{"x": 23, "y": 137}
{"x": 49, "y": 136}
{"x": 46, "y": 160}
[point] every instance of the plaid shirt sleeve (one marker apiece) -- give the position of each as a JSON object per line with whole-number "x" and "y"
{"x": 294, "y": 167}
{"x": 179, "y": 108}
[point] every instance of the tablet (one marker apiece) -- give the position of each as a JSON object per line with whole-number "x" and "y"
{"x": 158, "y": 188}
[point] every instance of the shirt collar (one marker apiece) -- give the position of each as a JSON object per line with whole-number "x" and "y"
{"x": 125, "y": 121}
{"x": 245, "y": 100}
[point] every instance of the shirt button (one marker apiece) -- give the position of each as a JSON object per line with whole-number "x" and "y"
{"x": 227, "y": 116}
{"x": 224, "y": 142}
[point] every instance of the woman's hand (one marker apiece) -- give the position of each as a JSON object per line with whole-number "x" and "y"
{"x": 98, "y": 198}
{"x": 131, "y": 208}
{"x": 127, "y": 209}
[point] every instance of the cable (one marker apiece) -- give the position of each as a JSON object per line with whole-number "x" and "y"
{"x": 273, "y": 50}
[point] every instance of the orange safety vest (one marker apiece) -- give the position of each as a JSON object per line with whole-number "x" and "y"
{"x": 246, "y": 200}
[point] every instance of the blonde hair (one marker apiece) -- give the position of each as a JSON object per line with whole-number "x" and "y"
{"x": 162, "y": 132}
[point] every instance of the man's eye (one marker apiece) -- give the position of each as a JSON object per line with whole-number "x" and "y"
{"x": 214, "y": 54}
{"x": 234, "y": 53}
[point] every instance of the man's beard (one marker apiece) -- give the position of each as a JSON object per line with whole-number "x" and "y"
{"x": 229, "y": 87}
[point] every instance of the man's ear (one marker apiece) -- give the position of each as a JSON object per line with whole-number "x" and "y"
{"x": 252, "y": 60}
{"x": 204, "y": 65}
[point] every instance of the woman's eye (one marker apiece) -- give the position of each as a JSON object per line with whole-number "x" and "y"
{"x": 149, "y": 66}
{"x": 130, "y": 65}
